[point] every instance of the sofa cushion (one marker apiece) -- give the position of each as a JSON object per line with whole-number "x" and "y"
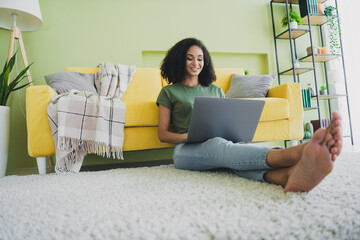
{"x": 146, "y": 114}
{"x": 272, "y": 131}
{"x": 223, "y": 76}
{"x": 252, "y": 86}
{"x": 65, "y": 81}
{"x": 274, "y": 109}
{"x": 140, "y": 138}
{"x": 144, "y": 87}
{"x": 141, "y": 114}
{"x": 82, "y": 69}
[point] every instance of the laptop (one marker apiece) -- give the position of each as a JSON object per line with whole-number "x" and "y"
{"x": 229, "y": 118}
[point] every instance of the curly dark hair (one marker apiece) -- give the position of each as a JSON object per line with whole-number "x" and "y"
{"x": 173, "y": 67}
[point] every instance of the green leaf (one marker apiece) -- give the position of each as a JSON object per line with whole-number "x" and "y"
{"x": 26, "y": 84}
{"x": 17, "y": 79}
{"x": 6, "y": 86}
{"x": 10, "y": 63}
{"x": 6, "y": 75}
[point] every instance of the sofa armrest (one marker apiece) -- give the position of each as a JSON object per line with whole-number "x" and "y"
{"x": 291, "y": 92}
{"x": 40, "y": 141}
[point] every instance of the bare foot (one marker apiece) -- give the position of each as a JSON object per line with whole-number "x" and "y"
{"x": 335, "y": 130}
{"x": 315, "y": 163}
{"x": 288, "y": 157}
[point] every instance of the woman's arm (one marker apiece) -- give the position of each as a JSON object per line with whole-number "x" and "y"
{"x": 164, "y": 122}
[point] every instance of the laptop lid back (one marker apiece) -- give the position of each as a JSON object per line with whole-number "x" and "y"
{"x": 230, "y": 118}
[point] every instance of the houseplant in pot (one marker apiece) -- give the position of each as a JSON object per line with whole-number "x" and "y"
{"x": 295, "y": 19}
{"x": 6, "y": 87}
{"x": 323, "y": 90}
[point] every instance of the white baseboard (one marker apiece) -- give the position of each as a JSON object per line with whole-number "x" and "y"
{"x": 28, "y": 171}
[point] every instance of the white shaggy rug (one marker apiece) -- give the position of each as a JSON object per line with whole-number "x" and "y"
{"x": 165, "y": 203}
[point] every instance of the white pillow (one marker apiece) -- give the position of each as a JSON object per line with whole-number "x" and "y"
{"x": 249, "y": 86}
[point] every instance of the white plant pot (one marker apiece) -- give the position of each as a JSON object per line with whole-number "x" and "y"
{"x": 323, "y": 92}
{"x": 4, "y": 138}
{"x": 293, "y": 25}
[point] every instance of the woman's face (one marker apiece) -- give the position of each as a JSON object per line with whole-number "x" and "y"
{"x": 194, "y": 61}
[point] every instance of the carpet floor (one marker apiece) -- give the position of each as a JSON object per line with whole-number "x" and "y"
{"x": 165, "y": 203}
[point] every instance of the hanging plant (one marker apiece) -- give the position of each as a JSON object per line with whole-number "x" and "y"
{"x": 334, "y": 29}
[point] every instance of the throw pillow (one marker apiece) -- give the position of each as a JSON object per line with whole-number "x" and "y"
{"x": 249, "y": 86}
{"x": 65, "y": 81}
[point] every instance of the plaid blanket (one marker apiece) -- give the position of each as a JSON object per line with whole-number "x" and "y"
{"x": 84, "y": 122}
{"x": 113, "y": 80}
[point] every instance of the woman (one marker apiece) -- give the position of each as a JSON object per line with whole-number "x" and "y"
{"x": 188, "y": 68}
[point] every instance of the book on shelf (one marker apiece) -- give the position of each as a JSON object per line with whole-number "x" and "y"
{"x": 303, "y": 8}
{"x": 317, "y": 124}
{"x": 306, "y": 98}
{"x": 303, "y": 5}
{"x": 325, "y": 122}
{"x": 315, "y": 5}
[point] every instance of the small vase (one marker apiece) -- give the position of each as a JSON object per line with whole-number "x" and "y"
{"x": 4, "y": 138}
{"x": 293, "y": 25}
{"x": 312, "y": 92}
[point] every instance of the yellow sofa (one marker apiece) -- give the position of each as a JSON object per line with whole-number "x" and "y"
{"x": 282, "y": 117}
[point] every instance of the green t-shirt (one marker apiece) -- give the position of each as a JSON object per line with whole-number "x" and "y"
{"x": 180, "y": 99}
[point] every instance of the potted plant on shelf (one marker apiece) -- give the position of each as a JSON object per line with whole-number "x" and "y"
{"x": 333, "y": 29}
{"x": 6, "y": 87}
{"x": 323, "y": 90}
{"x": 295, "y": 19}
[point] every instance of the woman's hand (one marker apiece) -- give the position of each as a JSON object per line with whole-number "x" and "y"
{"x": 163, "y": 131}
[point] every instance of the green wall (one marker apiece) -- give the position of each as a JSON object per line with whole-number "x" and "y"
{"x": 86, "y": 32}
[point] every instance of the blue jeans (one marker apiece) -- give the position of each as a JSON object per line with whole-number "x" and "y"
{"x": 246, "y": 160}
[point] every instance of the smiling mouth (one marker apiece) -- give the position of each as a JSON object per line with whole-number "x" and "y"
{"x": 194, "y": 69}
